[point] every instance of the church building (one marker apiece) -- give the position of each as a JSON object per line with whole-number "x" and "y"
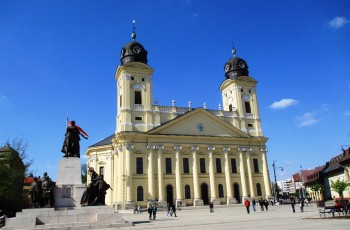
{"x": 187, "y": 156}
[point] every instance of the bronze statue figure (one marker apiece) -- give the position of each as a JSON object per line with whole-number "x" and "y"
{"x": 96, "y": 191}
{"x": 71, "y": 146}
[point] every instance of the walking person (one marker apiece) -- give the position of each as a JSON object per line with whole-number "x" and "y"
{"x": 168, "y": 210}
{"x": 149, "y": 210}
{"x": 173, "y": 207}
{"x": 302, "y": 203}
{"x": 266, "y": 204}
{"x": 154, "y": 212}
{"x": 261, "y": 203}
{"x": 211, "y": 207}
{"x": 292, "y": 202}
{"x": 247, "y": 205}
{"x": 254, "y": 205}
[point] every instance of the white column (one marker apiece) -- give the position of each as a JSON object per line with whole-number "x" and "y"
{"x": 128, "y": 173}
{"x": 178, "y": 174}
{"x": 250, "y": 175}
{"x": 160, "y": 173}
{"x": 212, "y": 175}
{"x": 242, "y": 172}
{"x": 150, "y": 174}
{"x": 265, "y": 173}
{"x": 227, "y": 175}
{"x": 120, "y": 171}
{"x": 195, "y": 174}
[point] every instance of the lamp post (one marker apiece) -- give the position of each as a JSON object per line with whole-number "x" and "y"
{"x": 274, "y": 173}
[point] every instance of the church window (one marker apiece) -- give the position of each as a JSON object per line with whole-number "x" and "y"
{"x": 120, "y": 101}
{"x": 258, "y": 189}
{"x": 132, "y": 78}
{"x": 250, "y": 125}
{"x": 218, "y": 165}
{"x": 187, "y": 192}
{"x": 186, "y": 165}
{"x": 230, "y": 108}
{"x": 139, "y": 165}
{"x": 168, "y": 166}
{"x": 202, "y": 165}
{"x": 138, "y": 118}
{"x": 233, "y": 165}
{"x": 256, "y": 165}
{"x": 221, "y": 191}
{"x": 102, "y": 171}
{"x": 138, "y": 98}
{"x": 242, "y": 90}
{"x": 247, "y": 107}
{"x": 139, "y": 193}
{"x": 143, "y": 79}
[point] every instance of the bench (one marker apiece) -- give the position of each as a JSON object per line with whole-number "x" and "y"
{"x": 331, "y": 210}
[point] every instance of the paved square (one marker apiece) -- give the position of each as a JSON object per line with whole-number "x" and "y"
{"x": 235, "y": 217}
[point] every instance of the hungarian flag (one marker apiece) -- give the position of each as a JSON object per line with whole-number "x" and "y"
{"x": 81, "y": 131}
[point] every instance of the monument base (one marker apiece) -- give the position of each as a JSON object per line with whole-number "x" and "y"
{"x": 69, "y": 189}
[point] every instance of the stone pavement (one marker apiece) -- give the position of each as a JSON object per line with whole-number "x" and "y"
{"x": 235, "y": 217}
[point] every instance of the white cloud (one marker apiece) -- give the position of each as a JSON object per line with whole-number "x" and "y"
{"x": 313, "y": 117}
{"x": 338, "y": 22}
{"x": 284, "y": 103}
{"x": 306, "y": 120}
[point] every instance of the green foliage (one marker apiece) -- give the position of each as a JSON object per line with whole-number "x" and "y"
{"x": 316, "y": 187}
{"x": 83, "y": 173}
{"x": 11, "y": 188}
{"x": 339, "y": 186}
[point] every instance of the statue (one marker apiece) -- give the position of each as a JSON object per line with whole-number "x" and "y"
{"x": 71, "y": 146}
{"x": 96, "y": 191}
{"x": 47, "y": 186}
{"x": 35, "y": 193}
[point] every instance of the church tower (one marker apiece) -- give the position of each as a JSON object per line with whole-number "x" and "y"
{"x": 239, "y": 95}
{"x": 134, "y": 87}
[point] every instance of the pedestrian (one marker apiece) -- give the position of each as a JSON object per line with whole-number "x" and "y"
{"x": 347, "y": 207}
{"x": 211, "y": 206}
{"x": 149, "y": 210}
{"x": 266, "y": 204}
{"x": 168, "y": 210}
{"x": 138, "y": 209}
{"x": 173, "y": 207}
{"x": 247, "y": 205}
{"x": 301, "y": 203}
{"x": 154, "y": 212}
{"x": 292, "y": 202}
{"x": 254, "y": 204}
{"x": 261, "y": 203}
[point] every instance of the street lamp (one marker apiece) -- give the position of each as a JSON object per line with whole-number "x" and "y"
{"x": 274, "y": 173}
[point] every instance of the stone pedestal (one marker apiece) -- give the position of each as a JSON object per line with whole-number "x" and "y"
{"x": 198, "y": 202}
{"x": 69, "y": 188}
{"x": 232, "y": 201}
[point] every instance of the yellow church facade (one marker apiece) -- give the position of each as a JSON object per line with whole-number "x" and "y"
{"x": 182, "y": 155}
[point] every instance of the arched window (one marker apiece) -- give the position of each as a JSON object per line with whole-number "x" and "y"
{"x": 138, "y": 95}
{"x": 258, "y": 189}
{"x": 139, "y": 193}
{"x": 187, "y": 192}
{"x": 221, "y": 191}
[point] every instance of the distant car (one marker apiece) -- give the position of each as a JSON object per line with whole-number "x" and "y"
{"x": 2, "y": 219}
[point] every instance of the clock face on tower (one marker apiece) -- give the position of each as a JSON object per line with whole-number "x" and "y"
{"x": 136, "y": 49}
{"x": 241, "y": 64}
{"x": 227, "y": 67}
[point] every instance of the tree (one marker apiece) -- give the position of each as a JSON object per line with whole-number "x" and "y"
{"x": 20, "y": 145}
{"x": 339, "y": 187}
{"x": 317, "y": 188}
{"x": 83, "y": 173}
{"x": 12, "y": 178}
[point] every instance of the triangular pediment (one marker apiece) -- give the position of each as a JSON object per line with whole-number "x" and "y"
{"x": 198, "y": 122}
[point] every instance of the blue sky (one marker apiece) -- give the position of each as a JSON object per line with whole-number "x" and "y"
{"x": 59, "y": 56}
